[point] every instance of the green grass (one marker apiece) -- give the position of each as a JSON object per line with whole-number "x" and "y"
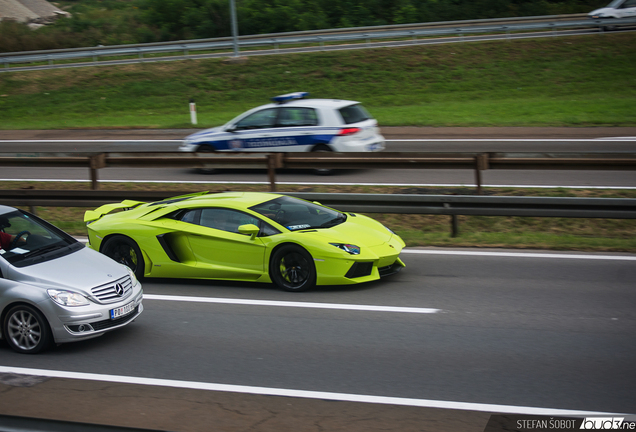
{"x": 566, "y": 81}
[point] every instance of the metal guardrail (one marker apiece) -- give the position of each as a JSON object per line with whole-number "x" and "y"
{"x": 468, "y": 205}
{"x": 477, "y": 162}
{"x": 413, "y": 31}
{"x": 451, "y": 205}
{"x": 477, "y": 205}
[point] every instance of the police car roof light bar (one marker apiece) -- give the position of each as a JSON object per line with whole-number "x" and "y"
{"x": 290, "y": 96}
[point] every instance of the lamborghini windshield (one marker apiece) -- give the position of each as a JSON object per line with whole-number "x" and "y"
{"x": 295, "y": 214}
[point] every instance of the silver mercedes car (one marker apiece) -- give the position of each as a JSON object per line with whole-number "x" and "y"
{"x": 53, "y": 289}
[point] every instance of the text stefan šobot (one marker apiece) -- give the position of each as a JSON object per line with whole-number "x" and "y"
{"x": 589, "y": 423}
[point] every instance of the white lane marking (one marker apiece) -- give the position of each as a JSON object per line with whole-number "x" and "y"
{"x": 90, "y": 140}
{"x": 291, "y": 304}
{"x": 231, "y": 182}
{"x": 270, "y": 391}
{"x": 522, "y": 255}
{"x": 151, "y": 141}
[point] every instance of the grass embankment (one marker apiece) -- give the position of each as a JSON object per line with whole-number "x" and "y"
{"x": 564, "y": 81}
{"x": 423, "y": 230}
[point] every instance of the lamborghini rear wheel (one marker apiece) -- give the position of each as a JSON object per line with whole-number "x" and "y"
{"x": 292, "y": 268}
{"x": 125, "y": 251}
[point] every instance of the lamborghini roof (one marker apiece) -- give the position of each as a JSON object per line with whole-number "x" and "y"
{"x": 233, "y": 199}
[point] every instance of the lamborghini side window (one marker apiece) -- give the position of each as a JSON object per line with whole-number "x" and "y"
{"x": 226, "y": 219}
{"x": 230, "y": 221}
{"x": 189, "y": 216}
{"x": 267, "y": 230}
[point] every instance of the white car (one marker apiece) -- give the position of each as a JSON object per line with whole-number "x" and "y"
{"x": 616, "y": 9}
{"x": 53, "y": 289}
{"x": 293, "y": 123}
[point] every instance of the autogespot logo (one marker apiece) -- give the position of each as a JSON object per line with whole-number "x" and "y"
{"x": 607, "y": 423}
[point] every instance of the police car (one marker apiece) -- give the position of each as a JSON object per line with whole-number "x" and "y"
{"x": 616, "y": 9}
{"x": 293, "y": 123}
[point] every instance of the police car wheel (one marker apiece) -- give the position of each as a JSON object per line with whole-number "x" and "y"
{"x": 206, "y": 149}
{"x": 609, "y": 27}
{"x": 322, "y": 149}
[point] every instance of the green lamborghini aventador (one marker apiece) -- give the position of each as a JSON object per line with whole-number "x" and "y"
{"x": 245, "y": 236}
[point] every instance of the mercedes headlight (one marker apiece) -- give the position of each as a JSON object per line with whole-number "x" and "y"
{"x": 133, "y": 277}
{"x": 67, "y": 298}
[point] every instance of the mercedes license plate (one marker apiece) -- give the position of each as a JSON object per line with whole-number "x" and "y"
{"x": 121, "y": 311}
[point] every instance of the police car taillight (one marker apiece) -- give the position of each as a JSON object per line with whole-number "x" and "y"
{"x": 348, "y": 131}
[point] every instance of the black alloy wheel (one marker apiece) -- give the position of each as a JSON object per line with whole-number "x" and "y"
{"x": 125, "y": 251}
{"x": 292, "y": 268}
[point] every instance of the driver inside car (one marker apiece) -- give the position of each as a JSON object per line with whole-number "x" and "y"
{"x": 6, "y": 240}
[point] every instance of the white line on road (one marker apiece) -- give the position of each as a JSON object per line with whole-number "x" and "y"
{"x": 291, "y": 304}
{"x": 300, "y": 183}
{"x": 152, "y": 141}
{"x": 522, "y": 255}
{"x": 90, "y": 140}
{"x": 268, "y": 391}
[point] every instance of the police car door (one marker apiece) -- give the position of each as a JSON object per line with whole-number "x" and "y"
{"x": 627, "y": 9}
{"x": 253, "y": 132}
{"x": 297, "y": 128}
{"x": 275, "y": 129}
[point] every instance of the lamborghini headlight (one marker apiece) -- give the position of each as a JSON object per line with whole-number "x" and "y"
{"x": 349, "y": 248}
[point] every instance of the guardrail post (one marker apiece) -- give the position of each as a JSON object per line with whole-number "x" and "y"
{"x": 481, "y": 163}
{"x": 454, "y": 226}
{"x": 96, "y": 162}
{"x": 274, "y": 160}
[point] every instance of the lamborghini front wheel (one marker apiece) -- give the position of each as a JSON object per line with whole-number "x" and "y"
{"x": 125, "y": 251}
{"x": 292, "y": 268}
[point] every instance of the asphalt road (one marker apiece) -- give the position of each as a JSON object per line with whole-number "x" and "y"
{"x": 398, "y": 139}
{"x": 507, "y": 332}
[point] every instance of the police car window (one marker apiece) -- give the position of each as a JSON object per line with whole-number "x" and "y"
{"x": 261, "y": 119}
{"x": 354, "y": 114}
{"x": 297, "y": 116}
